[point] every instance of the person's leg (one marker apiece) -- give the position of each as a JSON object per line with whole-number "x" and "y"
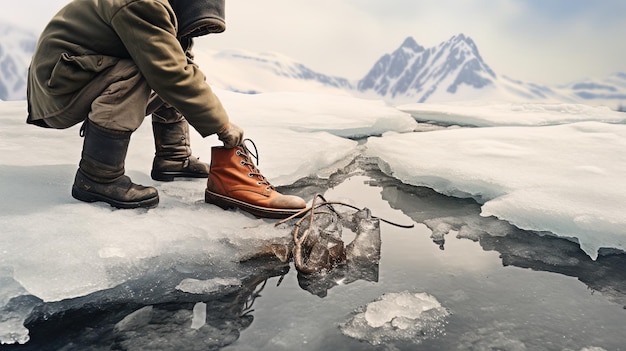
{"x": 121, "y": 106}
{"x": 118, "y": 96}
{"x": 172, "y": 157}
{"x": 114, "y": 114}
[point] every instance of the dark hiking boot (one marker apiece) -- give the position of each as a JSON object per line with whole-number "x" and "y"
{"x": 100, "y": 176}
{"x": 173, "y": 153}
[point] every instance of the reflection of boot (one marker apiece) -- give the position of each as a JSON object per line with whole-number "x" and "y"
{"x": 173, "y": 153}
{"x": 234, "y": 181}
{"x": 100, "y": 176}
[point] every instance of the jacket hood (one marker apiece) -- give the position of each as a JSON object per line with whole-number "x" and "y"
{"x": 199, "y": 17}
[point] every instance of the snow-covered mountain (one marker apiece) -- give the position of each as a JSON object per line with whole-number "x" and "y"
{"x": 250, "y": 72}
{"x": 451, "y": 71}
{"x": 610, "y": 89}
{"x": 455, "y": 71}
{"x": 16, "y": 49}
{"x": 413, "y": 73}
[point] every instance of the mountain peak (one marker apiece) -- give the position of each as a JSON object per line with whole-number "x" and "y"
{"x": 460, "y": 37}
{"x": 412, "y": 73}
{"x": 410, "y": 43}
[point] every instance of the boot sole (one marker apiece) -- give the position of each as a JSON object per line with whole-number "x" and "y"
{"x": 169, "y": 176}
{"x": 85, "y": 196}
{"x": 226, "y": 203}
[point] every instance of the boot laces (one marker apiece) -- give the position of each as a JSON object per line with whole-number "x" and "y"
{"x": 246, "y": 153}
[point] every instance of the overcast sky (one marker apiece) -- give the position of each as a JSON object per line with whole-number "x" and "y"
{"x": 541, "y": 41}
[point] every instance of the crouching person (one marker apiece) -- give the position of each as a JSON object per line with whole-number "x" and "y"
{"x": 108, "y": 64}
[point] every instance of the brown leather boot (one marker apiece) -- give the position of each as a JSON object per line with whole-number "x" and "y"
{"x": 234, "y": 181}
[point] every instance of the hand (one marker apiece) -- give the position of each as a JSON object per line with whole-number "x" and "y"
{"x": 231, "y": 135}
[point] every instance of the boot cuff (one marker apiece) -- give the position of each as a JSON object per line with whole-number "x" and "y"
{"x": 203, "y": 26}
{"x": 197, "y": 18}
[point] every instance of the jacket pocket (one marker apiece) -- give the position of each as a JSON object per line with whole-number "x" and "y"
{"x": 72, "y": 73}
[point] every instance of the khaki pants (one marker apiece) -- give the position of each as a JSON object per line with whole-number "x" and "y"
{"x": 118, "y": 99}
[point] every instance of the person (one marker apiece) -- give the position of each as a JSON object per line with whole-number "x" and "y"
{"x": 108, "y": 65}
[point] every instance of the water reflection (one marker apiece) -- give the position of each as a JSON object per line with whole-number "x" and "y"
{"x": 443, "y": 215}
{"x": 150, "y": 313}
{"x": 349, "y": 272}
{"x": 539, "y": 251}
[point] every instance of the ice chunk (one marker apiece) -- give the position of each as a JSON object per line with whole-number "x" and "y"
{"x": 15, "y": 306}
{"x": 195, "y": 286}
{"x": 135, "y": 320}
{"x": 403, "y": 316}
{"x": 566, "y": 179}
{"x": 511, "y": 114}
{"x": 366, "y": 244}
{"x": 12, "y": 316}
{"x": 199, "y": 315}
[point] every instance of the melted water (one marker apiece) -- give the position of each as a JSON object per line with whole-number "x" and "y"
{"x": 503, "y": 289}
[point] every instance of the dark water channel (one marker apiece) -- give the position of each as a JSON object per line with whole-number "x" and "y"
{"x": 504, "y": 289}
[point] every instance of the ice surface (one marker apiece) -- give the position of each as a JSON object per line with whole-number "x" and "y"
{"x": 402, "y": 316}
{"x": 485, "y": 114}
{"x": 307, "y": 112}
{"x": 15, "y": 306}
{"x": 566, "y": 178}
{"x": 55, "y": 247}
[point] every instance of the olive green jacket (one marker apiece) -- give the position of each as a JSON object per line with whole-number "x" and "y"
{"x": 88, "y": 36}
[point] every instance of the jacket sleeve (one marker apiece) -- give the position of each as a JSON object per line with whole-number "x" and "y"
{"x": 147, "y": 29}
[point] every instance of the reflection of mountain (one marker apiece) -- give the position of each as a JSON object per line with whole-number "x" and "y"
{"x": 551, "y": 254}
